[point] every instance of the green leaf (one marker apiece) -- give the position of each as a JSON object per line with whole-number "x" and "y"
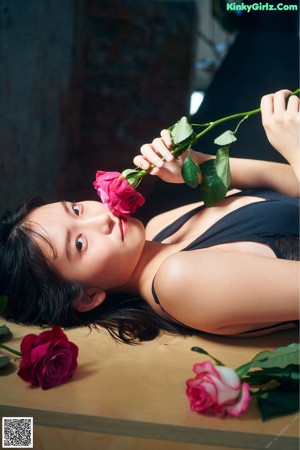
{"x": 127, "y": 173}
{"x": 280, "y": 357}
{"x": 4, "y": 330}
{"x": 278, "y": 401}
{"x": 212, "y": 188}
{"x": 204, "y": 352}
{"x": 4, "y": 361}
{"x": 222, "y": 166}
{"x": 131, "y": 177}
{"x": 181, "y": 131}
{"x": 3, "y": 302}
{"x": 190, "y": 172}
{"x": 216, "y": 177}
{"x": 200, "y": 350}
{"x": 225, "y": 138}
{"x": 182, "y": 135}
{"x": 289, "y": 374}
{"x": 178, "y": 149}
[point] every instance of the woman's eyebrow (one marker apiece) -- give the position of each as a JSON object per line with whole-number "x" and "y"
{"x": 68, "y": 234}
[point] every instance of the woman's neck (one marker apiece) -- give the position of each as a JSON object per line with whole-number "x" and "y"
{"x": 152, "y": 256}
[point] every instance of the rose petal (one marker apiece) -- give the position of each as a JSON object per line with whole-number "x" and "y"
{"x": 26, "y": 345}
{"x": 48, "y": 359}
{"x": 117, "y": 194}
{"x": 229, "y": 376}
{"x": 200, "y": 397}
{"x": 206, "y": 366}
{"x": 241, "y": 406}
{"x": 218, "y": 390}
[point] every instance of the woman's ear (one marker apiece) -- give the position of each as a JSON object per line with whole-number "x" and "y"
{"x": 90, "y": 300}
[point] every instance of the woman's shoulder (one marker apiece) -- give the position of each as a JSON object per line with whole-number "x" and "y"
{"x": 203, "y": 289}
{"x": 177, "y": 285}
{"x": 174, "y": 275}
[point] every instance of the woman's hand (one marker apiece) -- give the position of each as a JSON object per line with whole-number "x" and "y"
{"x": 281, "y": 121}
{"x": 158, "y": 153}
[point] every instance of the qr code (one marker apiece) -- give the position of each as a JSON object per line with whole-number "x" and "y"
{"x": 17, "y": 432}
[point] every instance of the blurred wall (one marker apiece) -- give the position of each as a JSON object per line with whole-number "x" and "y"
{"x": 138, "y": 65}
{"x": 84, "y": 83}
{"x": 263, "y": 58}
{"x": 36, "y": 60}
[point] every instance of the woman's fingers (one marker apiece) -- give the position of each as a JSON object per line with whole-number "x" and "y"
{"x": 166, "y": 136}
{"x": 281, "y": 119}
{"x": 155, "y": 153}
{"x": 149, "y": 153}
{"x": 280, "y": 103}
{"x": 267, "y": 107}
{"x": 141, "y": 162}
{"x": 275, "y": 106}
{"x": 159, "y": 147}
{"x": 293, "y": 105}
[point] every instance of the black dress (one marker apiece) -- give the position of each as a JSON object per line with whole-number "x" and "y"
{"x": 273, "y": 221}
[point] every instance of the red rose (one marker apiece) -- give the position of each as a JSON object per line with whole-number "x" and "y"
{"x": 117, "y": 194}
{"x": 217, "y": 390}
{"x": 48, "y": 359}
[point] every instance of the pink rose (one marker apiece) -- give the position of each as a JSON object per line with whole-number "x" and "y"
{"x": 117, "y": 194}
{"x": 48, "y": 359}
{"x": 217, "y": 390}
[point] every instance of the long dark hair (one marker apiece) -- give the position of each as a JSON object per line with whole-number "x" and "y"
{"x": 38, "y": 295}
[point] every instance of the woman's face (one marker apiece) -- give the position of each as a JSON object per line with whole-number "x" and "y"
{"x": 89, "y": 244}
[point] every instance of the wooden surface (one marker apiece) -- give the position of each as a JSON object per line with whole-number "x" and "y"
{"x": 128, "y": 397}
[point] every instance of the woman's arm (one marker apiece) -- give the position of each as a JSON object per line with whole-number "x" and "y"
{"x": 249, "y": 173}
{"x": 226, "y": 292}
{"x": 282, "y": 128}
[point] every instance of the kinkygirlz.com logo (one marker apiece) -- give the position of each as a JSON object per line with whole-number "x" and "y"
{"x": 237, "y": 7}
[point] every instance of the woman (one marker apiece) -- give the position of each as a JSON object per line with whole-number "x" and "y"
{"x": 227, "y": 270}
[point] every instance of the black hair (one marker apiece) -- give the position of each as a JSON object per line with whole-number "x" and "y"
{"x": 38, "y": 295}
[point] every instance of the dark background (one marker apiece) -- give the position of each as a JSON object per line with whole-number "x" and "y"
{"x": 84, "y": 83}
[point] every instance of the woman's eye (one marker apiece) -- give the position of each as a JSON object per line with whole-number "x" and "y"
{"x": 79, "y": 242}
{"x": 76, "y": 209}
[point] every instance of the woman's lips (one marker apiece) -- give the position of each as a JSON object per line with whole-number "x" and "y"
{"x": 123, "y": 227}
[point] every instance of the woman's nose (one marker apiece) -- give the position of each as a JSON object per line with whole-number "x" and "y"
{"x": 101, "y": 221}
